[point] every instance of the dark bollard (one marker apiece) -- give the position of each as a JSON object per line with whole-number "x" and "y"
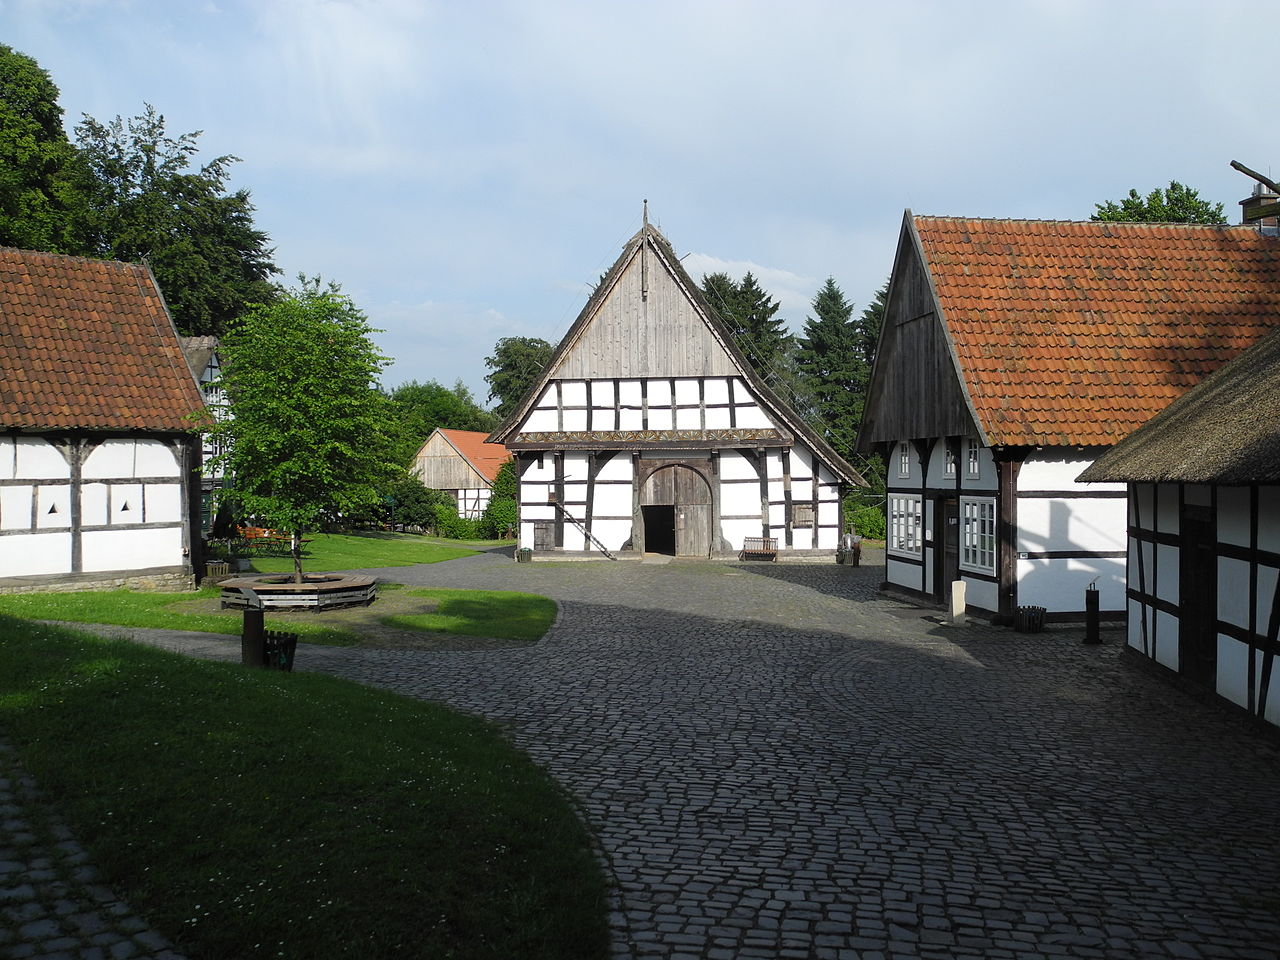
{"x": 253, "y": 634}
{"x": 1091, "y": 631}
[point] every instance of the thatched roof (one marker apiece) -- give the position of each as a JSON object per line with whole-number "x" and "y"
{"x": 1226, "y": 430}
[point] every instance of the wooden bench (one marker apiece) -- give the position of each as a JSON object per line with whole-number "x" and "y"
{"x": 759, "y": 548}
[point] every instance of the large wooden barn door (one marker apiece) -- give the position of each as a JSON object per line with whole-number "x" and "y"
{"x": 688, "y": 495}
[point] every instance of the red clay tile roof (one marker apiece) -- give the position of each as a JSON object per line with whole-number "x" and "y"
{"x": 88, "y": 344}
{"x": 487, "y": 458}
{"x": 1078, "y": 333}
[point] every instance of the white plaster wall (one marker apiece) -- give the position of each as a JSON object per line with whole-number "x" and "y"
{"x": 1144, "y": 578}
{"x": 687, "y": 391}
{"x": 154, "y": 459}
{"x": 986, "y": 478}
{"x": 1168, "y": 581}
{"x": 1269, "y": 519}
{"x": 981, "y": 593}
{"x": 718, "y": 419}
{"x": 23, "y": 555}
{"x": 602, "y": 394}
{"x": 1056, "y": 469}
{"x": 629, "y": 393}
{"x": 53, "y": 506}
{"x": 689, "y": 418}
{"x": 716, "y": 391}
{"x": 660, "y": 418}
{"x": 1142, "y": 506}
{"x": 739, "y": 500}
{"x": 938, "y": 476}
{"x": 576, "y": 466}
{"x": 163, "y": 503}
{"x": 751, "y": 417}
{"x": 734, "y": 466}
{"x": 131, "y": 549}
{"x": 903, "y": 574}
{"x": 1271, "y": 709}
{"x": 1234, "y": 521}
{"x": 828, "y": 539}
{"x": 1137, "y": 614}
{"x": 801, "y": 462}
{"x": 574, "y": 420}
{"x": 1059, "y": 585}
{"x": 541, "y": 469}
{"x": 8, "y": 458}
{"x": 125, "y": 503}
{"x": 658, "y": 393}
{"x": 1167, "y": 508}
{"x": 573, "y": 393}
{"x": 1167, "y": 639}
{"x": 611, "y": 501}
{"x": 630, "y": 419}
{"x": 1232, "y": 679}
{"x": 1233, "y": 591}
{"x": 37, "y": 459}
{"x": 15, "y": 508}
{"x": 612, "y": 533}
{"x": 801, "y": 490}
{"x": 1266, "y": 594}
{"x": 93, "y": 504}
{"x": 1077, "y": 524}
{"x": 619, "y": 468}
{"x": 735, "y": 530}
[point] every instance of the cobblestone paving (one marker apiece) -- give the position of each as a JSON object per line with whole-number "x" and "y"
{"x": 777, "y": 762}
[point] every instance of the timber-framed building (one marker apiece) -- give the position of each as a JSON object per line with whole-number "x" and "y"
{"x": 463, "y": 464}
{"x": 1013, "y": 354}
{"x": 649, "y": 431}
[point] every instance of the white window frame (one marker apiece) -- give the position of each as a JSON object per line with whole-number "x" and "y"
{"x": 949, "y": 459}
{"x": 904, "y": 460}
{"x": 978, "y": 534}
{"x": 906, "y": 524}
{"x": 975, "y": 460}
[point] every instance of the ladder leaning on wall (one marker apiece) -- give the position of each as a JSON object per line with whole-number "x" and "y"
{"x": 585, "y": 532}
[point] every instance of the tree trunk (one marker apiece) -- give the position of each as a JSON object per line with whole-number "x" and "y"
{"x": 295, "y": 545}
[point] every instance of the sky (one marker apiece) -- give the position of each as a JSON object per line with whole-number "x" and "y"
{"x": 467, "y": 170}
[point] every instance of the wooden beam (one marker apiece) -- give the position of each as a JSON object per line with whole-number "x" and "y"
{"x": 1265, "y": 181}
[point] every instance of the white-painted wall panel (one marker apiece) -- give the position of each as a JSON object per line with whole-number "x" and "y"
{"x": 752, "y": 418}
{"x": 777, "y": 520}
{"x": 575, "y": 420}
{"x": 828, "y": 539}
{"x": 617, "y": 468}
{"x": 659, "y": 393}
{"x": 93, "y": 504}
{"x": 37, "y": 459}
{"x": 630, "y": 419}
{"x": 125, "y": 503}
{"x": 1059, "y": 585}
{"x": 541, "y": 469}
{"x": 661, "y": 419}
{"x": 801, "y": 462}
{"x": 534, "y": 510}
{"x": 1138, "y": 615}
{"x": 629, "y": 393}
{"x": 154, "y": 459}
{"x": 1168, "y": 508}
{"x": 1271, "y": 709}
{"x": 131, "y": 549}
{"x": 28, "y": 555}
{"x": 573, "y": 393}
{"x": 688, "y": 419}
{"x": 981, "y": 593}
{"x": 1166, "y": 626}
{"x": 1235, "y": 523}
{"x": 718, "y": 419}
{"x": 576, "y": 465}
{"x": 687, "y": 392}
{"x": 8, "y": 458}
{"x": 734, "y": 466}
{"x": 573, "y": 538}
{"x": 541, "y": 421}
{"x": 1167, "y": 581}
{"x": 1057, "y": 469}
{"x": 1266, "y": 594}
{"x": 739, "y": 500}
{"x": 903, "y": 574}
{"x": 801, "y": 490}
{"x": 801, "y": 538}
{"x": 15, "y": 507}
{"x": 612, "y": 533}
{"x": 53, "y": 506}
{"x": 716, "y": 391}
{"x": 612, "y": 501}
{"x": 735, "y": 530}
{"x": 1051, "y": 523}
{"x": 602, "y": 394}
{"x": 1269, "y": 519}
{"x": 163, "y": 503}
{"x": 1232, "y": 679}
{"x": 604, "y": 419}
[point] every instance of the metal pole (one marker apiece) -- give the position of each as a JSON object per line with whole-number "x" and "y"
{"x": 1091, "y": 613}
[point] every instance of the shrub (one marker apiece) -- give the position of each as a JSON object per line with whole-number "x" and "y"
{"x": 868, "y": 521}
{"x": 499, "y": 518}
{"x": 453, "y": 527}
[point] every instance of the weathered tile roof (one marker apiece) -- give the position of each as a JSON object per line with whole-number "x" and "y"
{"x": 88, "y": 344}
{"x": 1078, "y": 333}
{"x": 487, "y": 458}
{"x": 1225, "y": 430}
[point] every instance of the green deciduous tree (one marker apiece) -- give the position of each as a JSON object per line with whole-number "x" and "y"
{"x": 142, "y": 200}
{"x": 419, "y": 408}
{"x": 1178, "y": 204}
{"x": 516, "y": 363}
{"x": 307, "y": 439}
{"x": 35, "y": 155}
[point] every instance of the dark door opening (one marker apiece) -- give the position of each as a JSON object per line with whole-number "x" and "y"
{"x": 659, "y": 529}
{"x": 948, "y": 537}
{"x": 1197, "y": 593}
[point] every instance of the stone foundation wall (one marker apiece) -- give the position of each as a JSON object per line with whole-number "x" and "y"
{"x": 166, "y": 580}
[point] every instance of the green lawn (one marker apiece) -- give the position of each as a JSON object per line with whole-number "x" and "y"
{"x": 482, "y": 613}
{"x": 129, "y": 608}
{"x": 250, "y": 813}
{"x": 356, "y": 551}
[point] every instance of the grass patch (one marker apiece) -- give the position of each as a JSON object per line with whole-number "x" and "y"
{"x": 481, "y": 613}
{"x": 249, "y": 813}
{"x": 358, "y": 551}
{"x": 130, "y": 608}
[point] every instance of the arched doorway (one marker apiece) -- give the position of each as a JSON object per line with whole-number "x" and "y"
{"x": 675, "y": 507}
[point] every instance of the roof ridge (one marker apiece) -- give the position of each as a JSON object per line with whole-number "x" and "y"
{"x": 1124, "y": 224}
{"x": 128, "y": 264}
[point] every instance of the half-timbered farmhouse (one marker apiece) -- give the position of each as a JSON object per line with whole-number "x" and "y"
{"x": 464, "y": 464}
{"x": 1204, "y": 530}
{"x": 649, "y": 432}
{"x": 206, "y": 366}
{"x": 1013, "y": 354}
{"x": 97, "y": 453}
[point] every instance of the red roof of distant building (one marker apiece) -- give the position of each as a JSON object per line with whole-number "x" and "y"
{"x": 1078, "y": 333}
{"x": 487, "y": 458}
{"x": 88, "y": 344}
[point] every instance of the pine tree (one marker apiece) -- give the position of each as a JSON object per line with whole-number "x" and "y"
{"x": 750, "y": 314}
{"x": 831, "y": 364}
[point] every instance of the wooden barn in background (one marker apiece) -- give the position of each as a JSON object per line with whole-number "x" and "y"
{"x": 464, "y": 464}
{"x": 1204, "y": 531}
{"x": 650, "y": 432}
{"x": 1013, "y": 354}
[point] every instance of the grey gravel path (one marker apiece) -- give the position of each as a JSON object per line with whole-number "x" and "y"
{"x": 777, "y": 762}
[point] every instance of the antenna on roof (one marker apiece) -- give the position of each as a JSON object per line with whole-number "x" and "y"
{"x": 644, "y": 260}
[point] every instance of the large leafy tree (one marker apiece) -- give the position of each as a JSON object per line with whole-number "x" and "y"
{"x": 1177, "y": 204}
{"x": 419, "y": 408}
{"x": 144, "y": 200}
{"x": 307, "y": 439}
{"x": 516, "y": 363}
{"x": 35, "y": 156}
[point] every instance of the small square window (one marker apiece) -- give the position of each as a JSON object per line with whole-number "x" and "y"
{"x": 904, "y": 459}
{"x": 975, "y": 465}
{"x": 951, "y": 460}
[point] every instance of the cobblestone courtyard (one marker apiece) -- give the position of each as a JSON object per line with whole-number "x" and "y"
{"x": 777, "y": 762}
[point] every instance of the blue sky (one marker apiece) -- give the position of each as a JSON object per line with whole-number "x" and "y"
{"x": 467, "y": 170}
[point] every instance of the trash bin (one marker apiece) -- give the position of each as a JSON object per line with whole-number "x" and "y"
{"x": 849, "y": 552}
{"x": 1029, "y": 619}
{"x": 524, "y": 555}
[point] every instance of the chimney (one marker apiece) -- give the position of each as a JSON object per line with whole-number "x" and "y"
{"x": 1262, "y": 194}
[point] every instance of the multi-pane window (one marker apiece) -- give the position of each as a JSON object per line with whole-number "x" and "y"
{"x": 904, "y": 523}
{"x": 975, "y": 468}
{"x": 978, "y": 534}
{"x": 904, "y": 459}
{"x": 951, "y": 460}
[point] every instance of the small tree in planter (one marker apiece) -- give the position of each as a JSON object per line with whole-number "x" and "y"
{"x": 307, "y": 439}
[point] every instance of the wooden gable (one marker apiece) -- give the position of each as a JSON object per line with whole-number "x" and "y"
{"x": 916, "y": 390}
{"x": 441, "y": 466}
{"x": 646, "y": 325}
